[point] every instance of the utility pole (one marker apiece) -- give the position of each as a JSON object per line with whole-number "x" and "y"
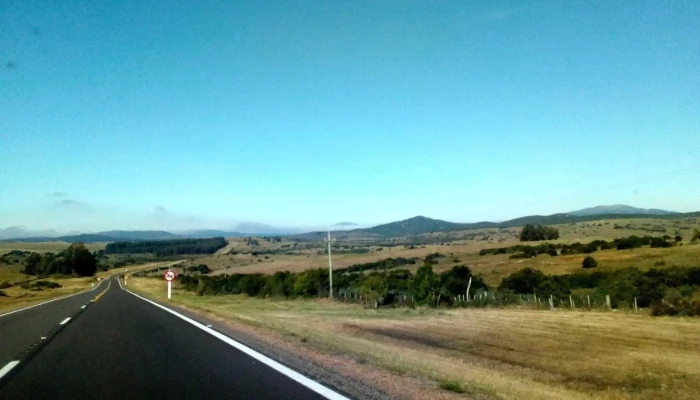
{"x": 330, "y": 266}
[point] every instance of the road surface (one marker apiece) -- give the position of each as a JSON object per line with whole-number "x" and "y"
{"x": 21, "y": 329}
{"x": 126, "y": 347}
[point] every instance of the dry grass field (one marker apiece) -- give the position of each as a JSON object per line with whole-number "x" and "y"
{"x": 485, "y": 353}
{"x": 18, "y": 297}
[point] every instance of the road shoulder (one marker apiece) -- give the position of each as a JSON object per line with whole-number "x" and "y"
{"x": 358, "y": 381}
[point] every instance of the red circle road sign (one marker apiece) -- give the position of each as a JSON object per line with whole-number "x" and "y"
{"x": 170, "y": 276}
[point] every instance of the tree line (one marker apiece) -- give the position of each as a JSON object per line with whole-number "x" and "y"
{"x": 385, "y": 285}
{"x": 554, "y": 249}
{"x": 76, "y": 259}
{"x": 168, "y": 247}
{"x": 380, "y": 287}
{"x": 649, "y": 288}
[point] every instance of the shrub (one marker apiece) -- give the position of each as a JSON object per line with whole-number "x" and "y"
{"x": 589, "y": 262}
{"x": 659, "y": 242}
{"x": 683, "y": 307}
{"x": 5, "y": 285}
{"x": 40, "y": 285}
{"x": 2, "y": 294}
{"x": 201, "y": 268}
{"x": 451, "y": 386}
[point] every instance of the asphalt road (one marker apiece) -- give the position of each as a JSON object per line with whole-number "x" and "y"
{"x": 124, "y": 347}
{"x": 19, "y": 330}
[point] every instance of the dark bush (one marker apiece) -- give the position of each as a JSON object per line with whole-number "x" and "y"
{"x": 683, "y": 307}
{"x": 659, "y": 242}
{"x": 589, "y": 262}
{"x": 40, "y": 285}
{"x": 531, "y": 233}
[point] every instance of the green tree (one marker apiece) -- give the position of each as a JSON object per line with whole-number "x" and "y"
{"x": 589, "y": 262}
{"x": 49, "y": 264}
{"x": 531, "y": 233}
{"x": 77, "y": 258}
{"x": 527, "y": 280}
{"x": 425, "y": 284}
{"x": 32, "y": 264}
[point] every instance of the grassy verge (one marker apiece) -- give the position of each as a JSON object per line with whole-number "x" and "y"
{"x": 485, "y": 353}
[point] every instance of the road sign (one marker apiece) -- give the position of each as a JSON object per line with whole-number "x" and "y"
{"x": 170, "y": 276}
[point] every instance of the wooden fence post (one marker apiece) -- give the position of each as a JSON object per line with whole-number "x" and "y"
{"x": 571, "y": 300}
{"x": 551, "y": 302}
{"x": 607, "y": 301}
{"x": 635, "y": 303}
{"x": 589, "y": 301}
{"x": 469, "y": 285}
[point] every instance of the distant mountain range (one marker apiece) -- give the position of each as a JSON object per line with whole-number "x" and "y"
{"x": 343, "y": 230}
{"x": 421, "y": 225}
{"x": 620, "y": 209}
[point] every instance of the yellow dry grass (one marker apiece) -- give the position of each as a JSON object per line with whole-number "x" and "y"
{"x": 18, "y": 297}
{"x": 11, "y": 273}
{"x": 491, "y": 353}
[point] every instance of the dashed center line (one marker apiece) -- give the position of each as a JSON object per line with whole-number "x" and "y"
{"x": 64, "y": 321}
{"x": 83, "y": 306}
{"x": 8, "y": 367}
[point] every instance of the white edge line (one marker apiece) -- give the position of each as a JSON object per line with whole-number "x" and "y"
{"x": 299, "y": 378}
{"x": 64, "y": 321}
{"x": 52, "y": 300}
{"x": 7, "y": 368}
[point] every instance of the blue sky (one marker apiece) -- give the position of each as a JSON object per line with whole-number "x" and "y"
{"x": 161, "y": 115}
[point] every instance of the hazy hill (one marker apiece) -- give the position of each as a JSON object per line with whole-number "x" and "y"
{"x": 620, "y": 209}
{"x": 421, "y": 225}
{"x": 138, "y": 235}
{"x": 211, "y": 233}
{"x": 85, "y": 238}
{"x": 414, "y": 226}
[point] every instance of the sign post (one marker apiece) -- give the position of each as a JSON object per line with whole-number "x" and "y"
{"x": 170, "y": 277}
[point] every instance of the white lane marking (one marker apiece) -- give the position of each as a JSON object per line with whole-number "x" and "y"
{"x": 64, "y": 321}
{"x": 299, "y": 378}
{"x": 7, "y": 368}
{"x": 83, "y": 306}
{"x": 46, "y": 302}
{"x": 43, "y": 338}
